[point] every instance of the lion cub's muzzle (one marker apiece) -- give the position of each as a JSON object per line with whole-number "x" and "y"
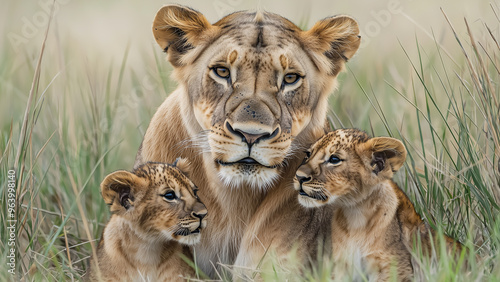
{"x": 200, "y": 215}
{"x": 302, "y": 179}
{"x": 194, "y": 223}
{"x": 307, "y": 189}
{"x": 311, "y": 191}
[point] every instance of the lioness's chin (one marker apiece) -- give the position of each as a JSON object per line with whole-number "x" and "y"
{"x": 256, "y": 176}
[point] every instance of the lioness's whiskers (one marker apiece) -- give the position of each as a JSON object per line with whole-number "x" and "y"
{"x": 199, "y": 141}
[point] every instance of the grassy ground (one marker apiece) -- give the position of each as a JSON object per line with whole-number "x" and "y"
{"x": 68, "y": 120}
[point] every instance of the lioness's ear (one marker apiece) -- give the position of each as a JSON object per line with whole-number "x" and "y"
{"x": 387, "y": 154}
{"x": 333, "y": 41}
{"x": 118, "y": 188}
{"x": 178, "y": 29}
{"x": 184, "y": 165}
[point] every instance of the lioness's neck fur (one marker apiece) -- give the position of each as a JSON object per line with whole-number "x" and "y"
{"x": 126, "y": 254}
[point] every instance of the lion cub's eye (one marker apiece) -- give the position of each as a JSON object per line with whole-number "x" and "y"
{"x": 170, "y": 196}
{"x": 334, "y": 160}
{"x": 291, "y": 78}
{"x": 308, "y": 155}
{"x": 221, "y": 72}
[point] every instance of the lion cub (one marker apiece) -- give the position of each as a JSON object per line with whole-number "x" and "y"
{"x": 373, "y": 223}
{"x": 155, "y": 215}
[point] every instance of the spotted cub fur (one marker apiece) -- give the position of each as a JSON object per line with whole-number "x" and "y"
{"x": 156, "y": 214}
{"x": 373, "y": 223}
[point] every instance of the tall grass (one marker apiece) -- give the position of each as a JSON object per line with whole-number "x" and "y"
{"x": 452, "y": 172}
{"x": 86, "y": 119}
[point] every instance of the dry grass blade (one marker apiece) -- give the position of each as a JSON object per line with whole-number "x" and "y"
{"x": 65, "y": 234}
{"x": 34, "y": 87}
{"x": 84, "y": 218}
{"x": 469, "y": 63}
{"x": 494, "y": 12}
{"x": 491, "y": 59}
{"x": 481, "y": 63}
{"x": 7, "y": 147}
{"x": 493, "y": 36}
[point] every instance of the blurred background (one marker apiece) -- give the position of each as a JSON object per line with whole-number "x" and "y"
{"x": 103, "y": 76}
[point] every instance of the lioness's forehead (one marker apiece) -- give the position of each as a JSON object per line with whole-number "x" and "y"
{"x": 341, "y": 139}
{"x": 258, "y": 29}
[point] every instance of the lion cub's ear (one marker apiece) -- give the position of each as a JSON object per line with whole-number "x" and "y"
{"x": 184, "y": 165}
{"x": 333, "y": 40}
{"x": 386, "y": 155}
{"x": 178, "y": 29}
{"x": 118, "y": 189}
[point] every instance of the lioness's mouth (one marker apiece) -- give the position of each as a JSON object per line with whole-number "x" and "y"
{"x": 245, "y": 161}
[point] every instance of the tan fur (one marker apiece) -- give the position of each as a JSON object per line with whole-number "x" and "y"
{"x": 373, "y": 216}
{"x": 365, "y": 222}
{"x": 147, "y": 236}
{"x": 217, "y": 122}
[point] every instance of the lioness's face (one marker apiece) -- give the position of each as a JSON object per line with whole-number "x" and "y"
{"x": 345, "y": 166}
{"x": 158, "y": 200}
{"x": 256, "y": 82}
{"x": 260, "y": 97}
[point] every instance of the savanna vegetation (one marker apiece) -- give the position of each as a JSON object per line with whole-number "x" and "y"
{"x": 68, "y": 120}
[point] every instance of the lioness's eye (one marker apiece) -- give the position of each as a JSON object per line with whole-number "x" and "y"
{"x": 170, "y": 196}
{"x": 334, "y": 160}
{"x": 221, "y": 72}
{"x": 291, "y": 78}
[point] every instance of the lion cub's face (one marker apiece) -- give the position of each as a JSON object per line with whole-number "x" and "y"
{"x": 345, "y": 165}
{"x": 255, "y": 82}
{"x": 158, "y": 201}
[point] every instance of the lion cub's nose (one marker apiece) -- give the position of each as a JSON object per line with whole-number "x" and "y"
{"x": 251, "y": 138}
{"x": 302, "y": 179}
{"x": 199, "y": 214}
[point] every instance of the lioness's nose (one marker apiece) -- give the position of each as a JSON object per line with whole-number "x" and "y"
{"x": 251, "y": 137}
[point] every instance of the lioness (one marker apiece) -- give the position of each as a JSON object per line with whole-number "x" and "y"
{"x": 155, "y": 215}
{"x": 253, "y": 91}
